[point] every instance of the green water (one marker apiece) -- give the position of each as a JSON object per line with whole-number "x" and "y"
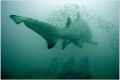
{"x": 24, "y": 53}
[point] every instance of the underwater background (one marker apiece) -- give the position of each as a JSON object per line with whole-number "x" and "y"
{"x": 24, "y": 54}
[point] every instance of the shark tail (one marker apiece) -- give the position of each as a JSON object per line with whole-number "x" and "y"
{"x": 41, "y": 29}
{"x": 17, "y": 19}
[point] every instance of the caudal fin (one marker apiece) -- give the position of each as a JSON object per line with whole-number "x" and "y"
{"x": 48, "y": 32}
{"x": 17, "y": 19}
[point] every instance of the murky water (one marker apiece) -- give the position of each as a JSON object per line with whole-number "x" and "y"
{"x": 24, "y": 53}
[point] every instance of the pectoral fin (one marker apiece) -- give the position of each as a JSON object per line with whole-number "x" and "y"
{"x": 92, "y": 42}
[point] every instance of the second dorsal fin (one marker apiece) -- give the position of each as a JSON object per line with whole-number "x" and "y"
{"x": 78, "y": 16}
{"x": 69, "y": 21}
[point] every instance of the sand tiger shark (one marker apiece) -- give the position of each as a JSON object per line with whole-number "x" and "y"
{"x": 76, "y": 32}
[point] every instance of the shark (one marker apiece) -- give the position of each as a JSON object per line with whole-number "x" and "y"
{"x": 78, "y": 31}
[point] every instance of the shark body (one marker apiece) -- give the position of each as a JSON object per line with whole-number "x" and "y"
{"x": 77, "y": 31}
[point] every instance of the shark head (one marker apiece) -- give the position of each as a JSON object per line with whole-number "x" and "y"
{"x": 78, "y": 32}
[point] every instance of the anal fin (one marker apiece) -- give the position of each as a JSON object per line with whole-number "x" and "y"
{"x": 50, "y": 45}
{"x": 51, "y": 42}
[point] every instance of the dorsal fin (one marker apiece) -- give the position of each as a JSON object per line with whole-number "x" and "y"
{"x": 78, "y": 16}
{"x": 69, "y": 21}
